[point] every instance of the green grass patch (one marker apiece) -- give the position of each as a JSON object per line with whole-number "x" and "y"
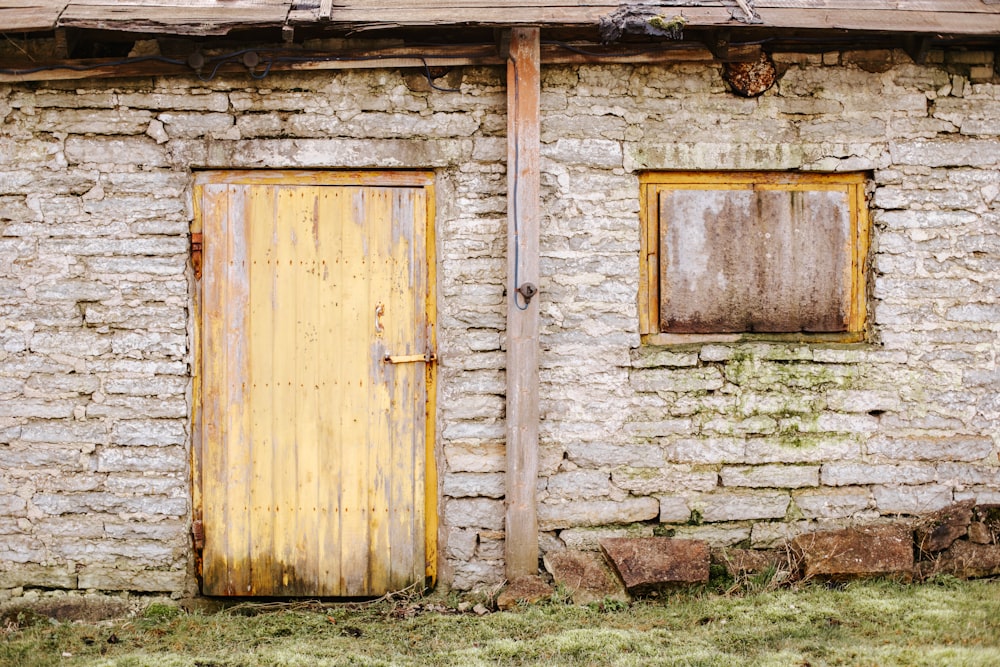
{"x": 945, "y": 622}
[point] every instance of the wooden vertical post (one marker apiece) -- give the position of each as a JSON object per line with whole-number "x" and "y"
{"x": 523, "y": 92}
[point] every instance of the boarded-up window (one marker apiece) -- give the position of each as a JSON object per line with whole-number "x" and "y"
{"x": 753, "y": 253}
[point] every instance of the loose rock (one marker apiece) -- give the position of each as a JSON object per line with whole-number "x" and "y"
{"x": 585, "y": 575}
{"x": 649, "y": 563}
{"x": 856, "y": 552}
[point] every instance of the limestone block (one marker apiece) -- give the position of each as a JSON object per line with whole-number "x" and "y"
{"x": 22, "y": 549}
{"x": 716, "y": 534}
{"x": 945, "y": 153}
{"x": 476, "y": 574}
{"x": 674, "y": 509}
{"x": 38, "y": 576}
{"x": 579, "y": 484}
{"x": 486, "y": 457}
{"x": 836, "y": 503}
{"x": 664, "y": 479}
{"x": 474, "y": 513}
{"x": 58, "y": 456}
{"x": 957, "y": 448}
{"x": 96, "y": 121}
{"x": 82, "y": 503}
{"x": 552, "y": 516}
{"x": 52, "y": 431}
{"x": 491, "y": 545}
{"x": 856, "y": 552}
{"x": 649, "y": 563}
{"x": 208, "y": 101}
{"x": 705, "y": 451}
{"x": 601, "y": 454}
{"x": 651, "y": 357}
{"x": 598, "y": 153}
{"x": 167, "y": 459}
{"x": 676, "y": 380}
{"x": 158, "y": 385}
{"x": 174, "y": 533}
{"x": 168, "y": 484}
{"x": 77, "y": 343}
{"x": 148, "y": 344}
{"x": 773, "y": 476}
{"x": 862, "y": 400}
{"x": 653, "y": 429}
{"x": 585, "y": 575}
{"x": 800, "y": 448}
{"x": 37, "y": 408}
{"x": 913, "y": 500}
{"x": 149, "y": 432}
{"x": 133, "y": 407}
{"x": 741, "y": 505}
{"x": 588, "y": 538}
{"x": 137, "y": 579}
{"x": 117, "y": 150}
{"x": 851, "y": 474}
{"x": 471, "y": 484}
{"x": 461, "y": 544}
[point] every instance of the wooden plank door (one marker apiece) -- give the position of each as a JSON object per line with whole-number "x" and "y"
{"x": 314, "y": 387}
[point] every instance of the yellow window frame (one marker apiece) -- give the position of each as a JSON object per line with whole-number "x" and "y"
{"x": 652, "y": 183}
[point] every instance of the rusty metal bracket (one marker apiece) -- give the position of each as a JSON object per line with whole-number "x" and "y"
{"x": 198, "y": 534}
{"x": 196, "y": 244}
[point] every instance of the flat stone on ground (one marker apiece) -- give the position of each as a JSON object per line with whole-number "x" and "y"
{"x": 528, "y": 590}
{"x": 648, "y": 563}
{"x": 856, "y": 552}
{"x": 938, "y": 530}
{"x": 585, "y": 575}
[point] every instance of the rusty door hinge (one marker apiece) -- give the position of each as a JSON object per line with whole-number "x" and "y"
{"x": 198, "y": 534}
{"x": 196, "y": 240}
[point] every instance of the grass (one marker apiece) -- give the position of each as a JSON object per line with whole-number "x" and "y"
{"x": 946, "y": 622}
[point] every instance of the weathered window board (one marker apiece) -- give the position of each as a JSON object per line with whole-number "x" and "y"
{"x": 748, "y": 253}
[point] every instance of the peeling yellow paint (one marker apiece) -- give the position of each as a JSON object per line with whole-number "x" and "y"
{"x": 317, "y": 455}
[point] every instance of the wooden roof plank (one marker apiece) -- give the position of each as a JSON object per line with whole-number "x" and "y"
{"x": 975, "y": 6}
{"x": 972, "y": 23}
{"x": 180, "y": 17}
{"x": 30, "y": 16}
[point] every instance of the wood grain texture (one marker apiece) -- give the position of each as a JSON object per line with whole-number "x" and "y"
{"x": 210, "y": 17}
{"x": 30, "y": 15}
{"x": 315, "y": 449}
{"x": 176, "y": 17}
{"x": 523, "y": 161}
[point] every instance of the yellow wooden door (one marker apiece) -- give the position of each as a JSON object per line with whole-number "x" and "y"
{"x": 314, "y": 385}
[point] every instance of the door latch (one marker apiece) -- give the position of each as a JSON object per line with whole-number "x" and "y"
{"x": 408, "y": 358}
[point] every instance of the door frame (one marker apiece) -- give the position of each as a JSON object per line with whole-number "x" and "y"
{"x": 400, "y": 178}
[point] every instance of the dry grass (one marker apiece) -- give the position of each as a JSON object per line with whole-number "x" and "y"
{"x": 944, "y": 622}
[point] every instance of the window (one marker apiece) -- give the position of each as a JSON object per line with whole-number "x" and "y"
{"x": 732, "y": 255}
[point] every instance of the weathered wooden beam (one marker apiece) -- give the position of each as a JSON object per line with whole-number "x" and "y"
{"x": 720, "y": 43}
{"x": 283, "y": 60}
{"x": 916, "y": 47}
{"x": 523, "y": 163}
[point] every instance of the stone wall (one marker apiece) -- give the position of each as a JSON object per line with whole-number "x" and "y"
{"x": 734, "y": 443}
